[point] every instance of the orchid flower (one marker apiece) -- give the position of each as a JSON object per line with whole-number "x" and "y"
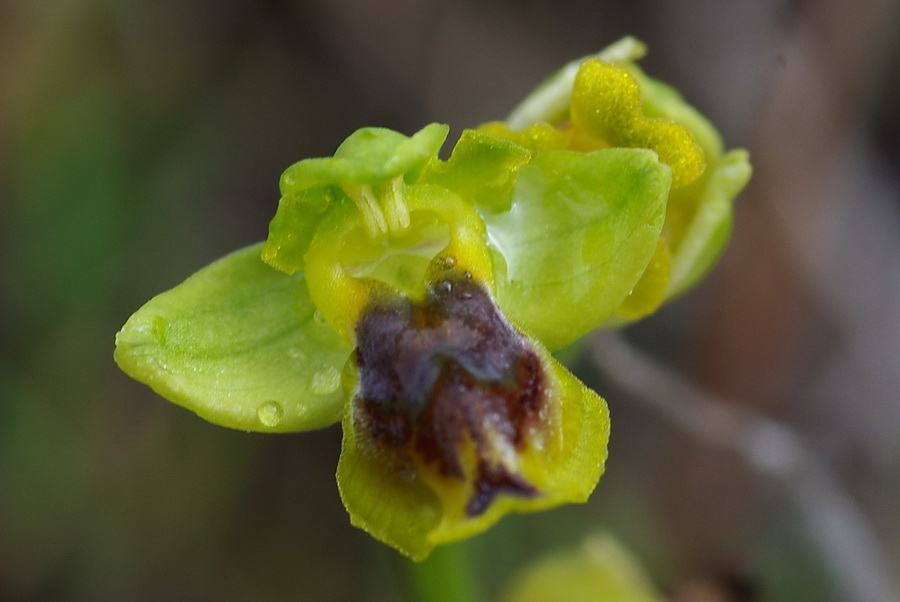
{"x": 418, "y": 301}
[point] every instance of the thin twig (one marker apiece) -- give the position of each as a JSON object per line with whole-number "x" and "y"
{"x": 834, "y": 520}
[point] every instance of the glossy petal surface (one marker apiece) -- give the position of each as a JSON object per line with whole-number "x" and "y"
{"x": 482, "y": 169}
{"x": 238, "y": 344}
{"x": 581, "y": 230}
{"x": 368, "y": 156}
{"x": 699, "y": 222}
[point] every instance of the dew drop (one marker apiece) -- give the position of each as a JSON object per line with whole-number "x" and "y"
{"x": 325, "y": 380}
{"x": 447, "y": 262}
{"x": 319, "y": 318}
{"x": 270, "y": 413}
{"x": 444, "y": 287}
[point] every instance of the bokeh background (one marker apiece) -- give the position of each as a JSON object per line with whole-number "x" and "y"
{"x": 141, "y": 140}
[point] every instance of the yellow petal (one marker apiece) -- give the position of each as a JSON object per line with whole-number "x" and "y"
{"x": 650, "y": 291}
{"x": 606, "y": 102}
{"x": 536, "y": 138}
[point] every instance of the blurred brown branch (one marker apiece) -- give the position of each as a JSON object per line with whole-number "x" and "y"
{"x": 834, "y": 520}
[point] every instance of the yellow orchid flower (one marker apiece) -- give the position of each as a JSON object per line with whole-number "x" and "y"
{"x": 418, "y": 301}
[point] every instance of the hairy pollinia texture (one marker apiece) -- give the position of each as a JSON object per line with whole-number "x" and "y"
{"x": 448, "y": 385}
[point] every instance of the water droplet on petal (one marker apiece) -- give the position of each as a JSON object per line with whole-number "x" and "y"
{"x": 270, "y": 413}
{"x": 444, "y": 287}
{"x": 325, "y": 380}
{"x": 319, "y": 318}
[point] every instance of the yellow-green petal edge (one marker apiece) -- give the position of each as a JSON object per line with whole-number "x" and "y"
{"x": 238, "y": 344}
{"x": 396, "y": 505}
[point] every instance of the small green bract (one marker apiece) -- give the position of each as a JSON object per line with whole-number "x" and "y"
{"x": 418, "y": 300}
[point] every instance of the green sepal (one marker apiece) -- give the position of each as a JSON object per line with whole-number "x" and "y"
{"x": 238, "y": 344}
{"x": 699, "y": 221}
{"x": 310, "y": 188}
{"x": 368, "y": 156}
{"x": 482, "y": 169}
{"x": 295, "y": 222}
{"x": 581, "y": 231}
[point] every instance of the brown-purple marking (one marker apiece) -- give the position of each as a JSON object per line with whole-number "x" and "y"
{"x": 435, "y": 372}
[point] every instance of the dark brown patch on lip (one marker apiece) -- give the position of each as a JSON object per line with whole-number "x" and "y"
{"x": 435, "y": 373}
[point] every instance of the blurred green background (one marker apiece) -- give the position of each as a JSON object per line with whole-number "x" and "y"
{"x": 141, "y": 140}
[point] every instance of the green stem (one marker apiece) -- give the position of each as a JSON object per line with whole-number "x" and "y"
{"x": 446, "y": 576}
